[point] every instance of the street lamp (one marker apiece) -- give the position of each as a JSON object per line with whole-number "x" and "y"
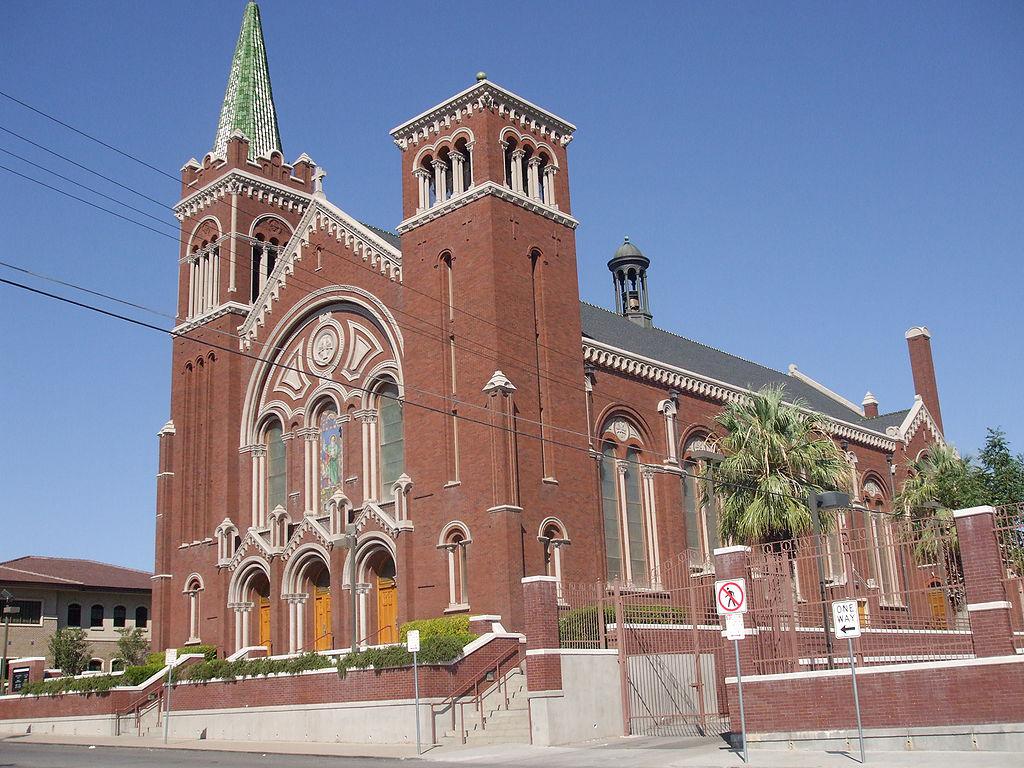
{"x": 817, "y": 502}
{"x": 9, "y": 610}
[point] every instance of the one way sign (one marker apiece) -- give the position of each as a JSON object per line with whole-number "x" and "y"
{"x": 845, "y": 619}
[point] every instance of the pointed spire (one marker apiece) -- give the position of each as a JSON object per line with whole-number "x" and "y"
{"x": 248, "y": 101}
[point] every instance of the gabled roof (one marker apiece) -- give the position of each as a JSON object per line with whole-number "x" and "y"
{"x": 654, "y": 343}
{"x": 72, "y": 573}
{"x": 249, "y": 101}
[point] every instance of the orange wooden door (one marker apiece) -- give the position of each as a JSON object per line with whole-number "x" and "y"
{"x": 265, "y": 624}
{"x": 322, "y": 619}
{"x": 937, "y": 603}
{"x": 387, "y": 611}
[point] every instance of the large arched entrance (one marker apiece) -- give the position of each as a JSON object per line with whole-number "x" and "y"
{"x": 308, "y": 581}
{"x": 379, "y": 599}
{"x": 251, "y": 601}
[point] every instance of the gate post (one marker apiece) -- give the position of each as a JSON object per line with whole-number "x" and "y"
{"x": 982, "y": 563}
{"x": 543, "y": 660}
{"x": 734, "y": 563}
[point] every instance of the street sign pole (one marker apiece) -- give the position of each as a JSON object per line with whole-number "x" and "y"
{"x": 170, "y": 657}
{"x": 739, "y": 688}
{"x": 412, "y": 643}
{"x": 856, "y": 698}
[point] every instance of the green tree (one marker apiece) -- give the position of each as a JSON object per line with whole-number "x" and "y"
{"x": 938, "y": 480}
{"x": 70, "y": 650}
{"x": 999, "y": 472}
{"x": 776, "y": 454}
{"x": 132, "y": 646}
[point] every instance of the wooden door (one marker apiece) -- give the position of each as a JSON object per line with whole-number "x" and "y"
{"x": 322, "y": 619}
{"x": 387, "y": 611}
{"x": 937, "y": 604}
{"x": 265, "y": 624}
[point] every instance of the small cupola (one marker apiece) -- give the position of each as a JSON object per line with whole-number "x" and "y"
{"x": 629, "y": 273}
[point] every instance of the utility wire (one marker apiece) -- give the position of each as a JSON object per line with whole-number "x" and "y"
{"x": 365, "y": 390}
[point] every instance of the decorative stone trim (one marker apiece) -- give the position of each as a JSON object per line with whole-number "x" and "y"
{"x": 730, "y": 550}
{"x": 246, "y": 184}
{"x": 482, "y": 190}
{"x": 533, "y": 579}
{"x": 917, "y": 418}
{"x": 666, "y": 375}
{"x": 479, "y": 96}
{"x": 995, "y": 605}
{"x": 971, "y": 511}
{"x": 228, "y": 308}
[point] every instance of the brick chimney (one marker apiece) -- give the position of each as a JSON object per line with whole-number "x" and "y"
{"x": 870, "y": 406}
{"x": 921, "y": 366}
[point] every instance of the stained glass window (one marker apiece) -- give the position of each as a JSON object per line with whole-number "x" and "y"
{"x": 392, "y": 438}
{"x": 331, "y": 455}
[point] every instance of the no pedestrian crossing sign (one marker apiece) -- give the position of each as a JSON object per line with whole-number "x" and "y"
{"x": 845, "y": 619}
{"x": 731, "y": 596}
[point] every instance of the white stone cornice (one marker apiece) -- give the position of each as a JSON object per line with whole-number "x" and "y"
{"x": 481, "y": 190}
{"x": 227, "y": 308}
{"x": 479, "y": 96}
{"x": 918, "y": 417}
{"x": 243, "y": 183}
{"x": 666, "y": 375}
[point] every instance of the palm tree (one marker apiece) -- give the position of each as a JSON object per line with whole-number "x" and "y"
{"x": 776, "y": 454}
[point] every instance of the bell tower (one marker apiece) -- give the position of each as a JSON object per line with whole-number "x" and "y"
{"x": 629, "y": 273}
{"x": 488, "y": 243}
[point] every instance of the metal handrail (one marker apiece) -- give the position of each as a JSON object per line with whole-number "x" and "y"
{"x": 477, "y": 698}
{"x": 136, "y": 707}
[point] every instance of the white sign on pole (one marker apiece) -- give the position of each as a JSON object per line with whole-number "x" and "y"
{"x": 845, "y": 619}
{"x": 412, "y": 640}
{"x": 170, "y": 656}
{"x": 734, "y": 626}
{"x": 731, "y": 596}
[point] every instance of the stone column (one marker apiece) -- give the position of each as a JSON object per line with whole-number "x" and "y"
{"x": 440, "y": 181}
{"x": 984, "y": 576}
{"x": 533, "y": 177}
{"x": 549, "y": 184}
{"x": 517, "y": 170}
{"x": 423, "y": 185}
{"x": 458, "y": 173}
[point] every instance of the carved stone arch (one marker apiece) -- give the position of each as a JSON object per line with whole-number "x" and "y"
{"x": 874, "y": 486}
{"x": 193, "y": 582}
{"x": 377, "y": 378}
{"x": 369, "y": 543}
{"x": 549, "y": 522}
{"x": 454, "y": 526}
{"x": 245, "y": 570}
{"x": 260, "y": 223}
{"x": 606, "y": 418}
{"x": 208, "y": 228}
{"x": 696, "y": 431}
{"x": 298, "y": 561}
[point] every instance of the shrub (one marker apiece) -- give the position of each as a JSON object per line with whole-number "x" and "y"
{"x": 453, "y": 626}
{"x": 241, "y": 668}
{"x": 136, "y": 675}
{"x": 434, "y": 649}
{"x": 132, "y": 646}
{"x": 209, "y": 651}
{"x": 581, "y": 626}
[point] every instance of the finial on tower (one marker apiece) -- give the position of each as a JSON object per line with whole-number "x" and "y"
{"x": 629, "y": 274}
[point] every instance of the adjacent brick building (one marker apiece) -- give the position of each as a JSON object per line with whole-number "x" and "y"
{"x": 436, "y": 402}
{"x": 55, "y": 592}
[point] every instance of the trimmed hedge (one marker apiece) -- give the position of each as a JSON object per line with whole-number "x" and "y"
{"x": 581, "y": 625}
{"x": 242, "y": 668}
{"x": 452, "y": 626}
{"x": 209, "y": 651}
{"x": 92, "y": 684}
{"x": 436, "y": 649}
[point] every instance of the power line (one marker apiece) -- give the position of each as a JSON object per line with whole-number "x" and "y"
{"x": 365, "y": 390}
{"x": 87, "y": 135}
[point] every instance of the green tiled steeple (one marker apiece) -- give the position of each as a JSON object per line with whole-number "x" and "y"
{"x": 249, "y": 101}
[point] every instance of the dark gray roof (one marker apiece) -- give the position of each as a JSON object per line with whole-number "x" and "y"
{"x": 386, "y": 234}
{"x": 617, "y": 331}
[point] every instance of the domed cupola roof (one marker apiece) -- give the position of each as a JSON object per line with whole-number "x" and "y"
{"x": 629, "y": 274}
{"x": 628, "y": 253}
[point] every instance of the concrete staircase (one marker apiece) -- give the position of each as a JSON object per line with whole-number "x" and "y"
{"x": 501, "y": 725}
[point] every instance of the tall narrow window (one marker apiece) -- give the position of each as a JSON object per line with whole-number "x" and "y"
{"x": 74, "y": 615}
{"x": 700, "y": 503}
{"x": 454, "y": 542}
{"x": 392, "y": 437}
{"x": 634, "y": 519}
{"x": 142, "y": 617}
{"x": 120, "y": 616}
{"x": 448, "y": 320}
{"x": 537, "y": 295}
{"x": 610, "y": 510}
{"x": 96, "y": 617}
{"x": 275, "y": 467}
{"x": 331, "y": 454}
{"x": 193, "y": 590}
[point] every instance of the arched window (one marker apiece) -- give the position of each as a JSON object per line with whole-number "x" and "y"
{"x": 332, "y": 453}
{"x": 276, "y": 470}
{"x": 700, "y": 502}
{"x": 95, "y": 665}
{"x": 74, "y": 615}
{"x": 554, "y": 539}
{"x": 454, "y": 540}
{"x": 96, "y": 617}
{"x": 120, "y": 616}
{"x": 627, "y": 507}
{"x": 882, "y": 565}
{"x": 142, "y": 617}
{"x": 116, "y": 665}
{"x": 193, "y": 590}
{"x": 462, "y": 166}
{"x": 392, "y": 436}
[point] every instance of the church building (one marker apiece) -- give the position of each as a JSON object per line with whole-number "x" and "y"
{"x": 369, "y": 426}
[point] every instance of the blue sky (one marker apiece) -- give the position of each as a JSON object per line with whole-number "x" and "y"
{"x": 809, "y": 180}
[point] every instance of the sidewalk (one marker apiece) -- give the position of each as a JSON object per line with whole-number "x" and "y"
{"x": 635, "y": 752}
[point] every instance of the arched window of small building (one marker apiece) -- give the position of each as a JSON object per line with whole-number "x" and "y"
{"x": 462, "y": 168}
{"x": 426, "y": 175}
{"x": 627, "y": 510}
{"x": 116, "y": 665}
{"x": 193, "y": 590}
{"x": 554, "y": 539}
{"x": 392, "y": 436}
{"x": 454, "y": 540}
{"x": 95, "y": 665}
{"x": 276, "y": 488}
{"x": 142, "y": 617}
{"x": 120, "y": 616}
{"x": 332, "y": 453}
{"x": 700, "y": 502}
{"x": 74, "y": 615}
{"x": 443, "y": 180}
{"x": 96, "y": 616}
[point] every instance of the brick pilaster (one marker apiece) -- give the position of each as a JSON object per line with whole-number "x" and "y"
{"x": 540, "y": 606}
{"x": 983, "y": 581}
